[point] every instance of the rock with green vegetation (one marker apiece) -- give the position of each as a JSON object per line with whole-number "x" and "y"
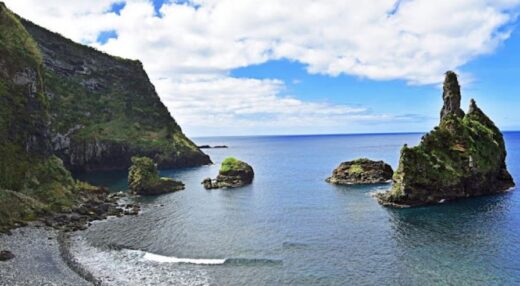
{"x": 361, "y": 171}
{"x": 34, "y": 184}
{"x": 233, "y": 173}
{"x": 32, "y": 180}
{"x": 463, "y": 157}
{"x": 143, "y": 179}
{"x": 103, "y": 109}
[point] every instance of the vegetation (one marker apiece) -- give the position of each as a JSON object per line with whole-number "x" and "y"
{"x": 144, "y": 179}
{"x": 231, "y": 164}
{"x": 355, "y": 169}
{"x": 463, "y": 156}
{"x": 32, "y": 181}
{"x": 100, "y": 99}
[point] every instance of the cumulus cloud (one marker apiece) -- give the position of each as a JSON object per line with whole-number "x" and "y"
{"x": 190, "y": 49}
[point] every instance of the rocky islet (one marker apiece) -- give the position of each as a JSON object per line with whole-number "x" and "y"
{"x": 361, "y": 171}
{"x": 233, "y": 173}
{"x": 462, "y": 157}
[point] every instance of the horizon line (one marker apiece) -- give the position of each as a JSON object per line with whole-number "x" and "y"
{"x": 324, "y": 134}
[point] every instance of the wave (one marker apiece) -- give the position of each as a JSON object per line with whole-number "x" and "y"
{"x": 209, "y": 261}
{"x": 171, "y": 259}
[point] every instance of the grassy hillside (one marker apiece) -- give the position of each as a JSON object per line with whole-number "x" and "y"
{"x": 104, "y": 109}
{"x": 36, "y": 179}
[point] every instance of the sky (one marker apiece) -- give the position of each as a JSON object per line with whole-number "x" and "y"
{"x": 244, "y": 67}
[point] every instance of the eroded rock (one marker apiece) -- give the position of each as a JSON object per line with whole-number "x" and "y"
{"x": 361, "y": 171}
{"x": 233, "y": 173}
{"x": 143, "y": 179}
{"x": 463, "y": 157}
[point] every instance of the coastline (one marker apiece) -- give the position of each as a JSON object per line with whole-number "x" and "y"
{"x": 39, "y": 258}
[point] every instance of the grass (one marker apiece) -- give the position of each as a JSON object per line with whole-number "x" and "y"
{"x": 230, "y": 164}
{"x": 461, "y": 147}
{"x": 355, "y": 169}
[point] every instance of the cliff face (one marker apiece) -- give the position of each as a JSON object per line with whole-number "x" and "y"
{"x": 92, "y": 110}
{"x": 34, "y": 177}
{"x": 464, "y": 156}
{"x": 104, "y": 109}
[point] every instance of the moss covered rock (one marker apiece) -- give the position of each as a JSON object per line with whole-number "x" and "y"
{"x": 361, "y": 171}
{"x": 463, "y": 157}
{"x": 233, "y": 173}
{"x": 31, "y": 178}
{"x": 144, "y": 179}
{"x": 104, "y": 109}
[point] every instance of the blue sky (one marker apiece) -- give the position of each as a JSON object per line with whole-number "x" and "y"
{"x": 235, "y": 67}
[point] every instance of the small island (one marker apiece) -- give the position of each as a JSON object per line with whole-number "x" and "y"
{"x": 233, "y": 174}
{"x": 463, "y": 157}
{"x": 361, "y": 171}
{"x": 143, "y": 179}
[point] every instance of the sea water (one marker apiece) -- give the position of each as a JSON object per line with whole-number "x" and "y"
{"x": 290, "y": 227}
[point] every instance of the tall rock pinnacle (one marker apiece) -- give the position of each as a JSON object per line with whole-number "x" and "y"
{"x": 451, "y": 96}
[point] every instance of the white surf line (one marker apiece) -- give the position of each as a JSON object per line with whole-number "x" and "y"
{"x": 170, "y": 259}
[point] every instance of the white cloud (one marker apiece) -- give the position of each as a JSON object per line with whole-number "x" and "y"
{"x": 192, "y": 48}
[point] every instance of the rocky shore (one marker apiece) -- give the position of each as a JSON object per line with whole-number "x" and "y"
{"x": 37, "y": 259}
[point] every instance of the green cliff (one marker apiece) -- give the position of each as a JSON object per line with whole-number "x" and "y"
{"x": 463, "y": 157}
{"x": 32, "y": 179}
{"x": 64, "y": 106}
{"x": 104, "y": 109}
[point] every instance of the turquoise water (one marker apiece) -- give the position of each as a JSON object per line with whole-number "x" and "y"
{"x": 292, "y": 228}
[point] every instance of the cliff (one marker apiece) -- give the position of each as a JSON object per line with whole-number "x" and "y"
{"x": 31, "y": 178}
{"x": 59, "y": 99}
{"x": 104, "y": 109}
{"x": 463, "y": 157}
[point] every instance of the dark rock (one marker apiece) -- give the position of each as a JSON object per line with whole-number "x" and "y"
{"x": 6, "y": 255}
{"x": 463, "y": 157}
{"x": 361, "y": 171}
{"x": 233, "y": 173}
{"x": 220, "y": 146}
{"x": 451, "y": 96}
{"x": 214, "y": 147}
{"x": 143, "y": 179}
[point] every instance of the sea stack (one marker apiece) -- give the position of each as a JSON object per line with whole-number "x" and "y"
{"x": 361, "y": 172}
{"x": 143, "y": 179}
{"x": 463, "y": 157}
{"x": 233, "y": 173}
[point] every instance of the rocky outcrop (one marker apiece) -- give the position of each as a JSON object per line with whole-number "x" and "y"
{"x": 143, "y": 179}
{"x": 463, "y": 157}
{"x": 361, "y": 171}
{"x": 451, "y": 96}
{"x": 233, "y": 173}
{"x": 104, "y": 109}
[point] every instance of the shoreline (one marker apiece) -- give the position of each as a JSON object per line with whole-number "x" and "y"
{"x": 40, "y": 259}
{"x": 68, "y": 259}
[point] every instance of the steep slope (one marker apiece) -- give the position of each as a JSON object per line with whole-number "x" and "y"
{"x": 463, "y": 157}
{"x": 27, "y": 167}
{"x": 104, "y": 109}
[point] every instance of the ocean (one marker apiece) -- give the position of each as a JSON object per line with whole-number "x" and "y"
{"x": 290, "y": 227}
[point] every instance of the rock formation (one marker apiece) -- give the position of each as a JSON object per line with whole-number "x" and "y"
{"x": 451, "y": 96}
{"x": 104, "y": 109}
{"x": 361, "y": 171}
{"x": 233, "y": 173}
{"x": 143, "y": 179}
{"x": 463, "y": 157}
{"x": 91, "y": 109}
